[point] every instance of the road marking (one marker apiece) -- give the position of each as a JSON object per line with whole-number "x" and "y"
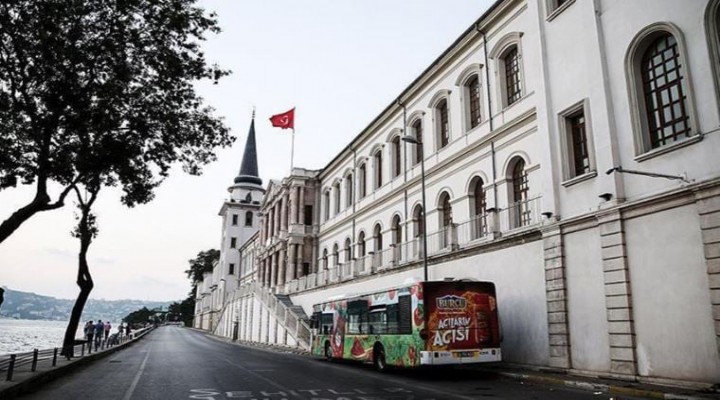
{"x": 262, "y": 378}
{"x": 131, "y": 389}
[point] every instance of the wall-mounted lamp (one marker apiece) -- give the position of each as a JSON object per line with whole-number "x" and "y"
{"x": 606, "y": 196}
{"x": 621, "y": 170}
{"x": 547, "y": 214}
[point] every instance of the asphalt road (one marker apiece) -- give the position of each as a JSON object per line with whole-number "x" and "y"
{"x": 178, "y": 363}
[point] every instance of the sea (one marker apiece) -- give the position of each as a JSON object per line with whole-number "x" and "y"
{"x": 23, "y": 335}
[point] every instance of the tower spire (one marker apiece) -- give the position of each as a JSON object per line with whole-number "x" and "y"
{"x": 249, "y": 168}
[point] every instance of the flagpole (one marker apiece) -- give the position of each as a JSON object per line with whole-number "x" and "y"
{"x": 292, "y": 150}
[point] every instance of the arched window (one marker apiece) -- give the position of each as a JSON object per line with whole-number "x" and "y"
{"x": 348, "y": 190}
{"x": 325, "y": 259}
{"x": 418, "y": 149}
{"x": 513, "y": 84}
{"x": 418, "y": 221}
{"x": 396, "y": 230}
{"x": 662, "y": 77}
{"x": 520, "y": 190}
{"x": 396, "y": 157}
{"x": 378, "y": 168}
{"x": 443, "y": 127}
{"x": 445, "y": 210}
{"x": 661, "y": 110}
{"x": 248, "y": 218}
{"x": 248, "y": 198}
{"x": 472, "y": 96}
{"x": 361, "y": 244}
{"x": 362, "y": 178}
{"x": 348, "y": 250}
{"x": 335, "y": 254}
{"x": 478, "y": 208}
{"x": 377, "y": 233}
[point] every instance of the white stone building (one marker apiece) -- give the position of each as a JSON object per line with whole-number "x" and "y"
{"x": 569, "y": 150}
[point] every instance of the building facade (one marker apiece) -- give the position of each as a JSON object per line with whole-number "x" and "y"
{"x": 560, "y": 149}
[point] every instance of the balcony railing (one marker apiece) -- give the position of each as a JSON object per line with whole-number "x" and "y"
{"x": 485, "y": 227}
{"x": 520, "y": 215}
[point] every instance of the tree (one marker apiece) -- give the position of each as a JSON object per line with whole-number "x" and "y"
{"x": 86, "y": 230}
{"x": 110, "y": 78}
{"x": 202, "y": 263}
{"x": 183, "y": 311}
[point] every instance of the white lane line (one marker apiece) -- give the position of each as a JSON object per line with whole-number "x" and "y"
{"x": 131, "y": 389}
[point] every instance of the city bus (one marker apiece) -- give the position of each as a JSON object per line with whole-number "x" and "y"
{"x": 418, "y": 324}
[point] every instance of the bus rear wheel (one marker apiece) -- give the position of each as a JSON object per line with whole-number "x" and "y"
{"x": 328, "y": 351}
{"x": 379, "y": 358}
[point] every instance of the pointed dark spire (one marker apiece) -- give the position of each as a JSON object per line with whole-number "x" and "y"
{"x": 249, "y": 167}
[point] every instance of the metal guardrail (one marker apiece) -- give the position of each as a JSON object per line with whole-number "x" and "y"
{"x": 47, "y": 358}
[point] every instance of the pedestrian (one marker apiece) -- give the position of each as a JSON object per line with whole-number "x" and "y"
{"x": 107, "y": 328}
{"x": 120, "y": 330}
{"x": 99, "y": 330}
{"x": 127, "y": 330}
{"x": 89, "y": 331}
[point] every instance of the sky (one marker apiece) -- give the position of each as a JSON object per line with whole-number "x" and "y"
{"x": 338, "y": 62}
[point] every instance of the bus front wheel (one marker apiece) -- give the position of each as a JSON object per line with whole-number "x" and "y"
{"x": 379, "y": 358}
{"x": 328, "y": 351}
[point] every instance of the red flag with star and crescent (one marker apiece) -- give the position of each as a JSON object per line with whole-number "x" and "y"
{"x": 285, "y": 120}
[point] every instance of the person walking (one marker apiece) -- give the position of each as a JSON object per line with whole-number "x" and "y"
{"x": 89, "y": 330}
{"x": 107, "y": 328}
{"x": 99, "y": 330}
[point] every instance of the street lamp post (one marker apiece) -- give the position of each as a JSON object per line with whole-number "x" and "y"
{"x": 412, "y": 140}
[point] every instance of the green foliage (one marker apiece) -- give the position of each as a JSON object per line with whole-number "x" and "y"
{"x": 140, "y": 316}
{"x": 203, "y": 262}
{"x": 183, "y": 311}
{"x": 102, "y": 93}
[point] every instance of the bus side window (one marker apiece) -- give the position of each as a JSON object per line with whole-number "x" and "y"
{"x": 327, "y": 323}
{"x": 405, "y": 316}
{"x": 392, "y": 318}
{"x": 315, "y": 321}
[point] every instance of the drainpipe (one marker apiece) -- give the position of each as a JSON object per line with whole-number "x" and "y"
{"x": 352, "y": 200}
{"x": 490, "y": 114}
{"x": 405, "y": 169}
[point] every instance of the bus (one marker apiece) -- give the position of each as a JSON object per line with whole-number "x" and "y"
{"x": 417, "y": 324}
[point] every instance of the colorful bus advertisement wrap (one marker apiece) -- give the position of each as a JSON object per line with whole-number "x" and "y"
{"x": 425, "y": 323}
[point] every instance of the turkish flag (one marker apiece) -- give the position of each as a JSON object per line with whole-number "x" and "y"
{"x": 285, "y": 120}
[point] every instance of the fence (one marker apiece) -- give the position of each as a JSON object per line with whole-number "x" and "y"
{"x": 48, "y": 358}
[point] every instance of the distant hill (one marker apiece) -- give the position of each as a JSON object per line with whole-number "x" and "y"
{"x": 25, "y": 305}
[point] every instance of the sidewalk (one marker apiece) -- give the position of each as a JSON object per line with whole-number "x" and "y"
{"x": 24, "y": 381}
{"x": 603, "y": 385}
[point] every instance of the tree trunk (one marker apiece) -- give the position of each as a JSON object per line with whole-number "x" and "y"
{"x": 84, "y": 281}
{"x": 85, "y": 231}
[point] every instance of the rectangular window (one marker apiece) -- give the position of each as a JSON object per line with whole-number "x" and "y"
{"x": 578, "y": 139}
{"x": 233, "y": 242}
{"x": 308, "y": 215}
{"x": 326, "y": 215}
{"x": 231, "y": 269}
{"x": 234, "y": 219}
{"x": 248, "y": 218}
{"x": 513, "y": 85}
{"x": 473, "y": 88}
{"x": 337, "y": 198}
{"x": 362, "y": 176}
{"x": 576, "y": 136}
{"x": 444, "y": 127}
